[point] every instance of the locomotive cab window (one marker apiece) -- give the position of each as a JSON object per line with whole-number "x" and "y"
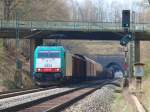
{"x": 48, "y": 55}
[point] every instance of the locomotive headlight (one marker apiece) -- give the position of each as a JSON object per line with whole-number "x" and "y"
{"x": 38, "y": 70}
{"x": 57, "y": 69}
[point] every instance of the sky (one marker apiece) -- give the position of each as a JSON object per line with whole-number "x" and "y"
{"x": 123, "y": 1}
{"x": 126, "y": 4}
{"x": 111, "y": 7}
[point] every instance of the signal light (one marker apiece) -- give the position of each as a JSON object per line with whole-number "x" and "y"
{"x": 38, "y": 70}
{"x": 126, "y": 18}
{"x": 126, "y": 39}
{"x": 57, "y": 69}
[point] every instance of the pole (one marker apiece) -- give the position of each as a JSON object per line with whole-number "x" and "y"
{"x": 126, "y": 63}
{"x": 18, "y": 62}
{"x": 126, "y": 83}
{"x": 132, "y": 46}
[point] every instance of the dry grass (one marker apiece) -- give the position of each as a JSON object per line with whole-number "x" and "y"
{"x": 120, "y": 105}
{"x": 93, "y": 47}
{"x": 145, "y": 57}
{"x": 8, "y": 70}
{"x": 145, "y": 99}
{"x": 145, "y": 51}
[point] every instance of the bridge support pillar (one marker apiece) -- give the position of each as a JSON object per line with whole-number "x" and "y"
{"x": 33, "y": 44}
{"x": 137, "y": 51}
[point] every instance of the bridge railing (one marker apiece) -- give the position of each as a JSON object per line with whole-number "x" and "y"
{"x": 73, "y": 26}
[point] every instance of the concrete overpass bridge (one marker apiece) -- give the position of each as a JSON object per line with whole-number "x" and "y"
{"x": 71, "y": 30}
{"x": 36, "y": 31}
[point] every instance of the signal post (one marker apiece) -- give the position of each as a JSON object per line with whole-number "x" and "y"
{"x": 137, "y": 51}
{"x": 128, "y": 37}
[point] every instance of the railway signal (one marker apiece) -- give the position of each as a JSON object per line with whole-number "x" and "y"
{"x": 126, "y": 18}
{"x": 126, "y": 39}
{"x": 126, "y": 25}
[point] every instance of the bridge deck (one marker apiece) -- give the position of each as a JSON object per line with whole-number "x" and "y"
{"x": 70, "y": 28}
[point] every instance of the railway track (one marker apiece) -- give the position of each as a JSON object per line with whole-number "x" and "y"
{"x": 61, "y": 102}
{"x": 49, "y": 100}
{"x": 21, "y": 92}
{"x": 57, "y": 102}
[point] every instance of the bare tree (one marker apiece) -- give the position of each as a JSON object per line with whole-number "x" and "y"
{"x": 1, "y": 9}
{"x": 116, "y": 11}
{"x": 50, "y": 10}
{"x": 7, "y": 8}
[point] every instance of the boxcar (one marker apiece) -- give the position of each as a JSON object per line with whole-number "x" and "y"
{"x": 79, "y": 67}
{"x": 93, "y": 69}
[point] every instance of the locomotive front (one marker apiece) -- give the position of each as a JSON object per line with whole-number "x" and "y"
{"x": 47, "y": 65}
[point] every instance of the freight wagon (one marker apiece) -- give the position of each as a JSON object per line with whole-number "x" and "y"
{"x": 55, "y": 64}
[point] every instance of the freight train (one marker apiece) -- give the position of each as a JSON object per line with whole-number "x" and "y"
{"x": 53, "y": 64}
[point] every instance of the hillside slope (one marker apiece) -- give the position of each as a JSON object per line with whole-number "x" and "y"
{"x": 8, "y": 77}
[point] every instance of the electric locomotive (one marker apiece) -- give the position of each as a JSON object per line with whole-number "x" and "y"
{"x": 48, "y": 64}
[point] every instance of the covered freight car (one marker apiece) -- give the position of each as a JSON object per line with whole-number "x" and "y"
{"x": 93, "y": 69}
{"x": 79, "y": 68}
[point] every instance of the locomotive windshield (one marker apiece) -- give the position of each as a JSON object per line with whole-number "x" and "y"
{"x": 47, "y": 54}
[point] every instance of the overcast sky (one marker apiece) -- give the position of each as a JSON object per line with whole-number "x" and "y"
{"x": 110, "y": 9}
{"x": 126, "y": 4}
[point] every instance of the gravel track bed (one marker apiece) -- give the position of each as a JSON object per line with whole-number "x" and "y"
{"x": 99, "y": 101}
{"x": 13, "y": 101}
{"x": 21, "y": 99}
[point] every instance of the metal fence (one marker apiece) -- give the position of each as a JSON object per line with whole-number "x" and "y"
{"x": 72, "y": 25}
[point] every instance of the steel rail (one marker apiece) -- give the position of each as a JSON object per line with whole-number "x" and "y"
{"x": 79, "y": 92}
{"x": 21, "y": 92}
{"x": 33, "y": 102}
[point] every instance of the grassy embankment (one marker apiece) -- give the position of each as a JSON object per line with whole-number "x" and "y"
{"x": 8, "y": 77}
{"x": 145, "y": 57}
{"x": 120, "y": 105}
{"x": 145, "y": 99}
